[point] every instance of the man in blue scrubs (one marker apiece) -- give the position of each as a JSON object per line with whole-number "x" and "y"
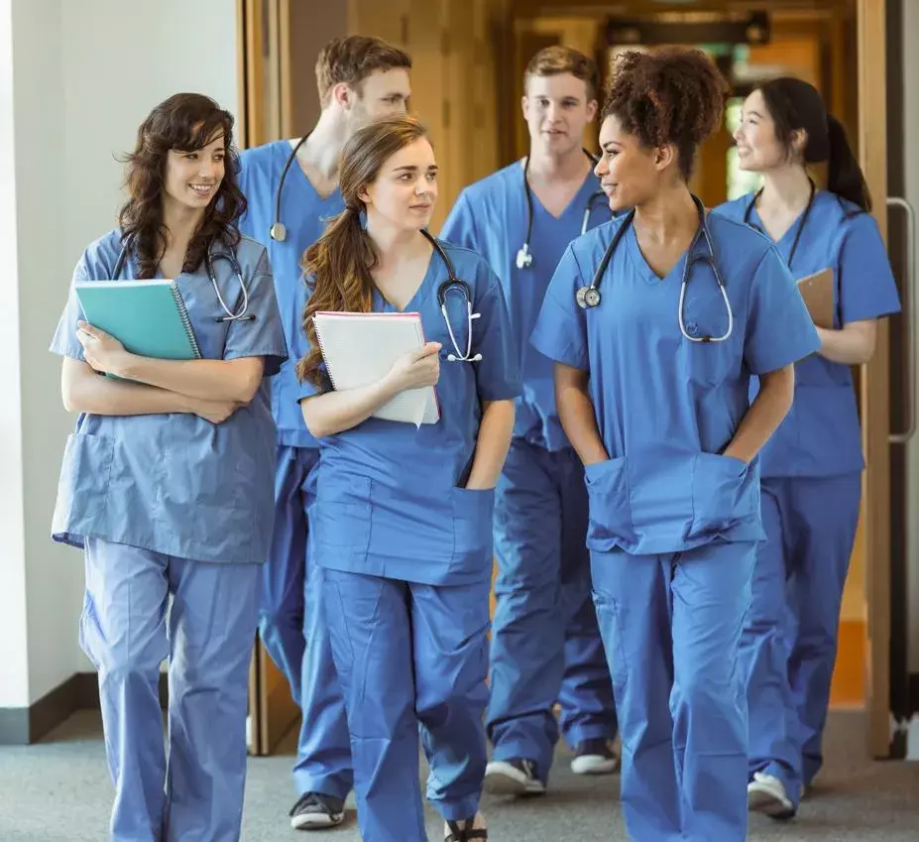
{"x": 360, "y": 79}
{"x": 546, "y": 646}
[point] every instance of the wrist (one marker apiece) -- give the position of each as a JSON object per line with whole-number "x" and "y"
{"x": 124, "y": 365}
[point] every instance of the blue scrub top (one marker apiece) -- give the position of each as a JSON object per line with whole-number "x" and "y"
{"x": 389, "y": 498}
{"x": 305, "y": 214}
{"x": 490, "y": 217}
{"x": 177, "y": 484}
{"x": 667, "y": 407}
{"x": 821, "y": 435}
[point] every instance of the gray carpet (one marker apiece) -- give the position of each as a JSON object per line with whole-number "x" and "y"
{"x": 59, "y": 791}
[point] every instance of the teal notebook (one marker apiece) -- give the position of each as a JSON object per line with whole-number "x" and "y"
{"x": 148, "y": 317}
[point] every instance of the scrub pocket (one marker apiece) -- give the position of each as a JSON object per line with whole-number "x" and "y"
{"x": 707, "y": 364}
{"x": 83, "y": 486}
{"x": 610, "y": 523}
{"x": 473, "y": 518}
{"x": 341, "y": 516}
{"x": 723, "y": 495}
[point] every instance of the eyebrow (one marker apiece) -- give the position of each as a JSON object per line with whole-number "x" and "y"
{"x": 609, "y": 143}
{"x": 412, "y": 168}
{"x": 754, "y": 114}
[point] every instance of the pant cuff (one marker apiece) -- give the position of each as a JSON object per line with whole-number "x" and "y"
{"x": 457, "y": 811}
{"x": 327, "y": 785}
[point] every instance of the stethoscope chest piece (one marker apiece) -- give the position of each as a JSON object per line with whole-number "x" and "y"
{"x": 524, "y": 258}
{"x": 588, "y": 297}
{"x": 278, "y": 232}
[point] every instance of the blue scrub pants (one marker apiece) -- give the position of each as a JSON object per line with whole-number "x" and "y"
{"x": 671, "y": 626}
{"x": 409, "y": 653}
{"x": 546, "y": 645}
{"x": 207, "y": 635}
{"x": 788, "y": 649}
{"x": 294, "y": 633}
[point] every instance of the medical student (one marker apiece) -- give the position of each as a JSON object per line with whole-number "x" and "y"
{"x": 657, "y": 320}
{"x": 166, "y": 482}
{"x": 812, "y": 467}
{"x": 292, "y": 190}
{"x": 545, "y": 642}
{"x": 404, "y": 515}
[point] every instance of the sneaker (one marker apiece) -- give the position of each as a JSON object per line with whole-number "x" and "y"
{"x": 513, "y": 777}
{"x": 595, "y": 757}
{"x": 766, "y": 794}
{"x": 315, "y": 811}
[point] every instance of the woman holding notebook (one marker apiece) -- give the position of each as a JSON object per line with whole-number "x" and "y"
{"x": 404, "y": 512}
{"x": 167, "y": 481}
{"x": 811, "y": 467}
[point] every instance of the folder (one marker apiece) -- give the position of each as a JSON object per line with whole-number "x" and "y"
{"x": 360, "y": 348}
{"x": 148, "y": 317}
{"x": 817, "y": 292}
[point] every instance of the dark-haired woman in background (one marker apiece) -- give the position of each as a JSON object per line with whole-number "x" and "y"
{"x": 167, "y": 482}
{"x": 653, "y": 363}
{"x": 812, "y": 466}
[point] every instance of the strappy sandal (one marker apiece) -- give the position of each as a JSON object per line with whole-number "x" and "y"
{"x": 467, "y": 833}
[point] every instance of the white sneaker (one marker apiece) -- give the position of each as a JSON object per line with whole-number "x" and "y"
{"x": 596, "y": 757}
{"x": 766, "y": 794}
{"x": 513, "y": 777}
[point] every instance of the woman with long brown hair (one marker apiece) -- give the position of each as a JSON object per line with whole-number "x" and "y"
{"x": 403, "y": 515}
{"x": 167, "y": 482}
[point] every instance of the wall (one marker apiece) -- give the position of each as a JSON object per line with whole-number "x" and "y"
{"x": 911, "y": 143}
{"x": 77, "y": 103}
{"x": 14, "y": 665}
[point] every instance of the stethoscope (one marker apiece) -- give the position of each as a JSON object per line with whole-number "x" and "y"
{"x": 524, "y": 256}
{"x": 748, "y": 212}
{"x": 209, "y": 260}
{"x": 278, "y": 230}
{"x": 454, "y": 284}
{"x": 589, "y": 296}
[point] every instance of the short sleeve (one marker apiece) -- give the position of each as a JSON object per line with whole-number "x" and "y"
{"x": 300, "y": 347}
{"x": 779, "y": 328}
{"x": 867, "y": 289}
{"x": 498, "y": 372}
{"x": 65, "y": 340}
{"x": 262, "y": 336}
{"x": 459, "y": 229}
{"x": 561, "y": 328}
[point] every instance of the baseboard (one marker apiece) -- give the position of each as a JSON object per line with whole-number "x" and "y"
{"x": 24, "y": 726}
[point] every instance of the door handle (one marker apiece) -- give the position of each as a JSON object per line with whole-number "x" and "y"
{"x": 911, "y": 318}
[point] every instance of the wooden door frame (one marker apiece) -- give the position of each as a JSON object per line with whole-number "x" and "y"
{"x": 875, "y": 382}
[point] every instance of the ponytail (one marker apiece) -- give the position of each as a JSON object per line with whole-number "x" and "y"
{"x": 844, "y": 176}
{"x": 337, "y": 267}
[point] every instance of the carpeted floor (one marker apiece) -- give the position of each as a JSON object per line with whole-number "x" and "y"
{"x": 59, "y": 791}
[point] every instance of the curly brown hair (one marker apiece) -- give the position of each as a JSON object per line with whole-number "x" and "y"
{"x": 674, "y": 96}
{"x": 339, "y": 264}
{"x": 187, "y": 123}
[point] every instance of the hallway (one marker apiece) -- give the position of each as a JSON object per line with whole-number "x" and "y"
{"x": 58, "y": 791}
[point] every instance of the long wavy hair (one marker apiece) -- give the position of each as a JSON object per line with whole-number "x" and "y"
{"x": 339, "y": 264}
{"x": 187, "y": 123}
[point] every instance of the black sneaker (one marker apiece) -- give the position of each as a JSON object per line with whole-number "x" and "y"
{"x": 315, "y": 811}
{"x": 595, "y": 757}
{"x": 513, "y": 777}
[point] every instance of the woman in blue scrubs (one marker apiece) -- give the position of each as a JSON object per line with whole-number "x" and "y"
{"x": 167, "y": 483}
{"x": 812, "y": 467}
{"x": 403, "y": 516}
{"x": 652, "y": 377}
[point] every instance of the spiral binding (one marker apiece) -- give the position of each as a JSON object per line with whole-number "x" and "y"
{"x": 328, "y": 367}
{"x": 186, "y": 322}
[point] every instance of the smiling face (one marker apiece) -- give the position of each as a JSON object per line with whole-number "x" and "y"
{"x": 557, "y": 110}
{"x": 629, "y": 173}
{"x": 758, "y": 147}
{"x": 192, "y": 178}
{"x": 404, "y": 192}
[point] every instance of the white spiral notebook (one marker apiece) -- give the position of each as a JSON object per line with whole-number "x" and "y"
{"x": 360, "y": 348}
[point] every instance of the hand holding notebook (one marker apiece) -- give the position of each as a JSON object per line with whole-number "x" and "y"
{"x": 817, "y": 292}
{"x": 361, "y": 348}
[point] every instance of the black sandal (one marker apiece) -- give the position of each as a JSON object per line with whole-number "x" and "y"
{"x": 467, "y": 833}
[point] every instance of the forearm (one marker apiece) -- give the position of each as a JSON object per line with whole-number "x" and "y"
{"x": 334, "y": 412}
{"x": 494, "y": 441}
{"x": 764, "y": 416}
{"x": 215, "y": 380}
{"x": 98, "y": 395}
{"x": 579, "y": 420}
{"x": 853, "y": 345}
